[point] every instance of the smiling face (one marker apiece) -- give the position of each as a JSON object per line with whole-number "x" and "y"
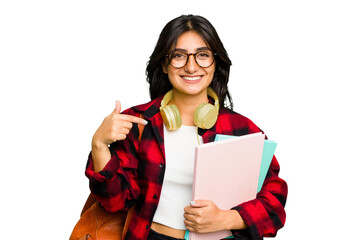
{"x": 190, "y": 79}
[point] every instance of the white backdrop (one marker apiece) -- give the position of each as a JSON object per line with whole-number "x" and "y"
{"x": 64, "y": 63}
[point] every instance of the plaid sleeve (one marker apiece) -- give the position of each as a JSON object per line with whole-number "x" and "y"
{"x": 264, "y": 215}
{"x": 116, "y": 186}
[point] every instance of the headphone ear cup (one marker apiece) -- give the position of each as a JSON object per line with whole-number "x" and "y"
{"x": 171, "y": 117}
{"x": 205, "y": 116}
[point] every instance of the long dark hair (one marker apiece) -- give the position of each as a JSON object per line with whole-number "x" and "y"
{"x": 159, "y": 81}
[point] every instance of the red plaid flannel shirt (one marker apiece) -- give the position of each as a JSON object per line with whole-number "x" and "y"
{"x": 134, "y": 175}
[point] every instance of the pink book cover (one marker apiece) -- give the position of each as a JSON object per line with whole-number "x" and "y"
{"x": 227, "y": 172}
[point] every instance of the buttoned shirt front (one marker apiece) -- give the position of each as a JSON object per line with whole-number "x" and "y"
{"x": 135, "y": 172}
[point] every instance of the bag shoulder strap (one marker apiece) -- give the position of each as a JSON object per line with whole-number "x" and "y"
{"x": 131, "y": 210}
{"x": 141, "y": 128}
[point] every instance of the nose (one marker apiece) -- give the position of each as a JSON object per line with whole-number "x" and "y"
{"x": 191, "y": 66}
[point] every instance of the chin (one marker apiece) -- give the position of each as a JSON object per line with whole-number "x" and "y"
{"x": 193, "y": 90}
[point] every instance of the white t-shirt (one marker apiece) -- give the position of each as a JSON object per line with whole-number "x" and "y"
{"x": 177, "y": 186}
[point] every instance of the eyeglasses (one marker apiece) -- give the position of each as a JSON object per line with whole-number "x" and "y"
{"x": 178, "y": 58}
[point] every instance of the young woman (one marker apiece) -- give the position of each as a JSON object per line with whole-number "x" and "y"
{"x": 190, "y": 66}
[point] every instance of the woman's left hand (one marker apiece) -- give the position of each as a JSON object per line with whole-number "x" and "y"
{"x": 204, "y": 216}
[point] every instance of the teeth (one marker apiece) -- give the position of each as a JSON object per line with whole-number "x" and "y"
{"x": 191, "y": 78}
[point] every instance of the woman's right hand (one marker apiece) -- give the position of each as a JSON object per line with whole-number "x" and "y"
{"x": 114, "y": 128}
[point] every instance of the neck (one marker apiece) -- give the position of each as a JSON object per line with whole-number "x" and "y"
{"x": 187, "y": 105}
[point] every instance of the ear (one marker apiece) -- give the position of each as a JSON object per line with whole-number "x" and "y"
{"x": 164, "y": 68}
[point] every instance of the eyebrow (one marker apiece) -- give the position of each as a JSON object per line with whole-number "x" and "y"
{"x": 196, "y": 50}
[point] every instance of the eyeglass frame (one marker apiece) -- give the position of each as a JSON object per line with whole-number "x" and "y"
{"x": 188, "y": 55}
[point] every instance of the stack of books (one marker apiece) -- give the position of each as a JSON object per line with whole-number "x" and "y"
{"x": 229, "y": 171}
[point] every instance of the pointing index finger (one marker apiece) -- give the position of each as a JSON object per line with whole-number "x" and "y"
{"x": 134, "y": 119}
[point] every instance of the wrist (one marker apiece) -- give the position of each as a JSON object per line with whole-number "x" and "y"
{"x": 100, "y": 153}
{"x": 98, "y": 145}
{"x": 234, "y": 221}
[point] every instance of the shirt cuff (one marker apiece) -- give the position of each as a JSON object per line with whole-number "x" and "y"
{"x": 104, "y": 175}
{"x": 250, "y": 213}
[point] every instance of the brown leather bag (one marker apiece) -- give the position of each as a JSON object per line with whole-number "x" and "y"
{"x": 97, "y": 223}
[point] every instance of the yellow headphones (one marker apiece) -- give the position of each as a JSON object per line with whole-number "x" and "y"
{"x": 205, "y": 115}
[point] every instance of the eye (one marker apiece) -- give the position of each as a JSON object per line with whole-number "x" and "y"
{"x": 179, "y": 55}
{"x": 203, "y": 55}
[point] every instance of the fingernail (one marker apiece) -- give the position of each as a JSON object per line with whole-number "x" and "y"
{"x": 192, "y": 203}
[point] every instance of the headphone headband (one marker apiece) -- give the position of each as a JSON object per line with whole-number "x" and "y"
{"x": 212, "y": 94}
